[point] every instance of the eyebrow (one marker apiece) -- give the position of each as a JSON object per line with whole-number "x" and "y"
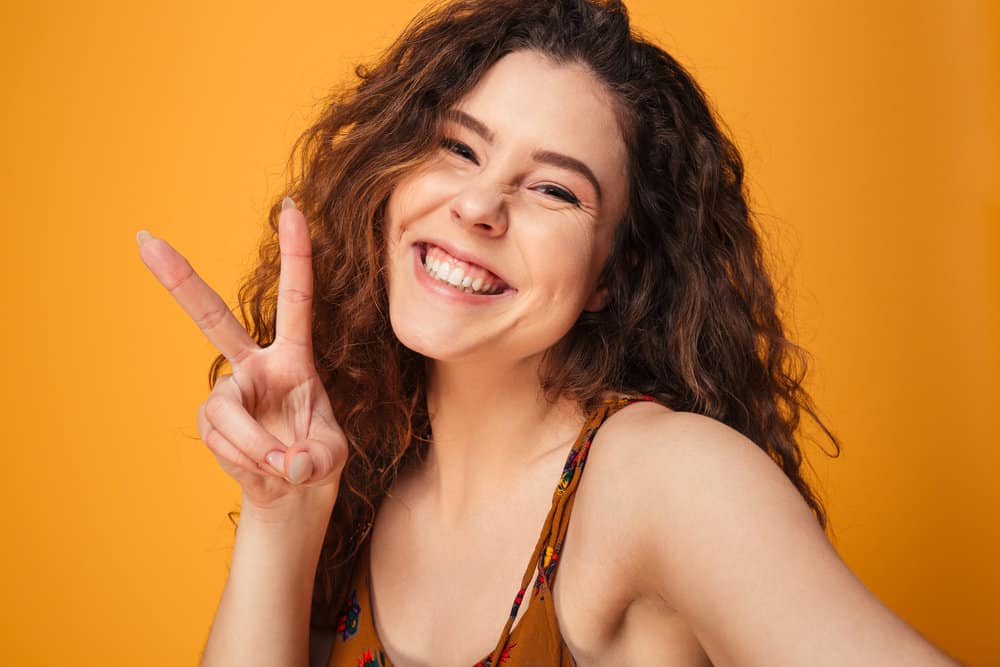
{"x": 546, "y": 157}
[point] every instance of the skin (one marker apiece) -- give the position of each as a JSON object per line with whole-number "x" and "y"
{"x": 679, "y": 520}
{"x": 686, "y": 542}
{"x": 492, "y": 200}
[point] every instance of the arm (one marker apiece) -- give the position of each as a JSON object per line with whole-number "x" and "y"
{"x": 263, "y": 617}
{"x": 733, "y": 547}
{"x": 270, "y": 425}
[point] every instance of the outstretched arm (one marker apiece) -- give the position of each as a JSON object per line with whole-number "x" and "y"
{"x": 731, "y": 545}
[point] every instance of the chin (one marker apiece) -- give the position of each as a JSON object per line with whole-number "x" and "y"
{"x": 433, "y": 341}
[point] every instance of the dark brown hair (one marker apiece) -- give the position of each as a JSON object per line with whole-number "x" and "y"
{"x": 692, "y": 318}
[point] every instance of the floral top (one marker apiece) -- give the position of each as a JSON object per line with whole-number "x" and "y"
{"x": 535, "y": 640}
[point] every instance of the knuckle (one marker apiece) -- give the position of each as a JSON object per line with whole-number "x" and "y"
{"x": 245, "y": 462}
{"x": 215, "y": 407}
{"x": 289, "y": 341}
{"x": 294, "y": 295}
{"x": 212, "y": 406}
{"x": 215, "y": 442}
{"x": 178, "y": 275}
{"x": 212, "y": 318}
{"x": 225, "y": 386}
{"x": 242, "y": 356}
{"x": 202, "y": 421}
{"x": 339, "y": 443}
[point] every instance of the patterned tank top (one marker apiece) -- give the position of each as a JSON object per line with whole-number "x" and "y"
{"x": 535, "y": 640}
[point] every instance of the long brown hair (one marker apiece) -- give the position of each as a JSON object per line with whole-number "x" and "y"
{"x": 692, "y": 317}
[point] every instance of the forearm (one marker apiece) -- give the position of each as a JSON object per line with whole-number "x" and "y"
{"x": 263, "y": 617}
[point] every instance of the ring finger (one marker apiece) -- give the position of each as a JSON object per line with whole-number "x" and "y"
{"x": 227, "y": 416}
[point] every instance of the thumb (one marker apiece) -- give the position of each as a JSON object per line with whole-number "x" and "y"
{"x": 307, "y": 461}
{"x": 300, "y": 465}
{"x": 296, "y": 466}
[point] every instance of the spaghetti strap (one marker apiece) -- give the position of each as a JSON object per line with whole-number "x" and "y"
{"x": 535, "y": 639}
{"x": 545, "y": 557}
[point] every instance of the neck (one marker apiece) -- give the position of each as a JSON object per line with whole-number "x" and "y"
{"x": 488, "y": 424}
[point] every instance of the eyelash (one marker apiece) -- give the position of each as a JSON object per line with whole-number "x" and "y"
{"x": 560, "y": 193}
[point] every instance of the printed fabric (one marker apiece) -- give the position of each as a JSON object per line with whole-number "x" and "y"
{"x": 535, "y": 640}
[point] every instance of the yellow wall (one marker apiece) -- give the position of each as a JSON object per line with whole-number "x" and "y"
{"x": 871, "y": 132}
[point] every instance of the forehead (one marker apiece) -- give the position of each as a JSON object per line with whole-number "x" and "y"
{"x": 529, "y": 100}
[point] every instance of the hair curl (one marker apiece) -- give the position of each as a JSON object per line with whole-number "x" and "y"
{"x": 692, "y": 318}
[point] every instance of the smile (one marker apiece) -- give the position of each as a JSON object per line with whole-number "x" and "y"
{"x": 457, "y": 276}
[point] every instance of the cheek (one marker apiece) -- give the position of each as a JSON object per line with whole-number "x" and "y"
{"x": 566, "y": 260}
{"x": 419, "y": 194}
{"x": 419, "y": 197}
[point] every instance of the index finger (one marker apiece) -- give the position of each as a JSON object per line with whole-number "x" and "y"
{"x": 198, "y": 300}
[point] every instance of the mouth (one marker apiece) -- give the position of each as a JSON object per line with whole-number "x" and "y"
{"x": 460, "y": 275}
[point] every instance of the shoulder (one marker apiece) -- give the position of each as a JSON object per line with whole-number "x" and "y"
{"x": 697, "y": 516}
{"x": 687, "y": 486}
{"x": 651, "y": 447}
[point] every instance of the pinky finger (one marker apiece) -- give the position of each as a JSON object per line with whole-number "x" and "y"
{"x": 225, "y": 450}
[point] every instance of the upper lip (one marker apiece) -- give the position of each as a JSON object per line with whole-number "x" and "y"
{"x": 463, "y": 255}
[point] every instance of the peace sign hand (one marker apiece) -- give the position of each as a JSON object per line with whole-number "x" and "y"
{"x": 270, "y": 423}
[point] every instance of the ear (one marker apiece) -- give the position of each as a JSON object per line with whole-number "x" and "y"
{"x": 598, "y": 300}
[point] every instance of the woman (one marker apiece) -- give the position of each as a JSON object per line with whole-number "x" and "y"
{"x": 523, "y": 245}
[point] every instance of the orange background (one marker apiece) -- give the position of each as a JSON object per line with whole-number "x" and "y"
{"x": 871, "y": 133}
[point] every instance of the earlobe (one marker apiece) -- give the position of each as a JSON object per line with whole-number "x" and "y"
{"x": 598, "y": 300}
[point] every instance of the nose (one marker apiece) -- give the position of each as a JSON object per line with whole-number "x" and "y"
{"x": 480, "y": 207}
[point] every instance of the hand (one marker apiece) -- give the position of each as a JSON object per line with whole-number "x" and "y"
{"x": 270, "y": 423}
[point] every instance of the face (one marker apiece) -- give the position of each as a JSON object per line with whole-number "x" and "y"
{"x": 496, "y": 242}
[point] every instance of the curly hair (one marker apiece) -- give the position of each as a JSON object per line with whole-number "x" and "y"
{"x": 692, "y": 317}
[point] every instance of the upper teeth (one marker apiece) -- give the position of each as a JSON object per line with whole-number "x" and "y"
{"x": 458, "y": 274}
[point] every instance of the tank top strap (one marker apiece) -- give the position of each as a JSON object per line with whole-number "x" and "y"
{"x": 545, "y": 558}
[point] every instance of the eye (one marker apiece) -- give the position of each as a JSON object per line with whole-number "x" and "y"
{"x": 460, "y": 149}
{"x": 464, "y": 152}
{"x": 559, "y": 193}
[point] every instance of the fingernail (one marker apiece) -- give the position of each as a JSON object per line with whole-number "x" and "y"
{"x": 276, "y": 460}
{"x": 287, "y": 202}
{"x": 300, "y": 468}
{"x": 142, "y": 237}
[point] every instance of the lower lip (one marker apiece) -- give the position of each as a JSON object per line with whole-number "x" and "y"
{"x": 446, "y": 290}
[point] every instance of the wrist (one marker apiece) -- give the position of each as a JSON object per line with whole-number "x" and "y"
{"x": 308, "y": 505}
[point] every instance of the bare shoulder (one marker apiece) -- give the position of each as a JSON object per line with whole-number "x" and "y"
{"x": 694, "y": 476}
{"x": 675, "y": 479}
{"x": 650, "y": 429}
{"x": 707, "y": 523}
{"x": 656, "y": 457}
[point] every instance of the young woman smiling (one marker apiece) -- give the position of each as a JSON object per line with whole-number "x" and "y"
{"x": 521, "y": 244}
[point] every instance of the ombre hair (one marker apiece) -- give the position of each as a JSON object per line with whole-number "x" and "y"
{"x": 692, "y": 317}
